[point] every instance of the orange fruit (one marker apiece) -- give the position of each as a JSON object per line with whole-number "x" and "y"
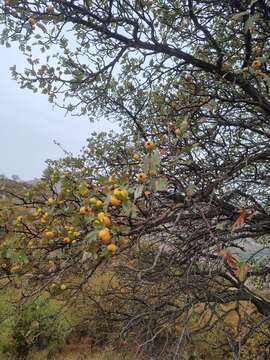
{"x": 49, "y": 234}
{"x": 149, "y": 145}
{"x": 67, "y": 240}
{"x": 104, "y": 235}
{"x": 104, "y": 219}
{"x": 256, "y": 64}
{"x": 136, "y": 157}
{"x": 141, "y": 177}
{"x": 112, "y": 248}
{"x": 114, "y": 201}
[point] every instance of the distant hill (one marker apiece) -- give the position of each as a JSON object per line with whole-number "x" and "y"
{"x": 253, "y": 251}
{"x": 9, "y": 187}
{"x": 32, "y": 182}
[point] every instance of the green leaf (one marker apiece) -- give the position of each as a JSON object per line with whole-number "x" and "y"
{"x": 155, "y": 159}
{"x": 250, "y": 22}
{"x": 2, "y": 233}
{"x": 41, "y": 26}
{"x": 239, "y": 15}
{"x": 91, "y": 237}
{"x": 221, "y": 226}
{"x": 8, "y": 253}
{"x": 152, "y": 162}
{"x": 129, "y": 209}
{"x": 146, "y": 164}
{"x": 161, "y": 184}
{"x": 20, "y": 257}
{"x": 106, "y": 202}
{"x": 187, "y": 149}
{"x": 138, "y": 191}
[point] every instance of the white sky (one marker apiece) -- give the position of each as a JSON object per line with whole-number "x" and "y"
{"x": 29, "y": 124}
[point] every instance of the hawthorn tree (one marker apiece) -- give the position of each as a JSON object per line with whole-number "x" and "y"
{"x": 185, "y": 181}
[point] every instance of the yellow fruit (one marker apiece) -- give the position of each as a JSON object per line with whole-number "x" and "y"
{"x": 84, "y": 192}
{"x": 99, "y": 203}
{"x": 136, "y": 157}
{"x": 111, "y": 180}
{"x": 124, "y": 193}
{"x": 44, "y": 218}
{"x": 63, "y": 287}
{"x": 67, "y": 240}
{"x": 149, "y": 145}
{"x": 104, "y": 235}
{"x": 74, "y": 242}
{"x": 96, "y": 222}
{"x": 141, "y": 177}
{"x": 114, "y": 201}
{"x": 177, "y": 132}
{"x": 226, "y": 67}
{"x": 54, "y": 286}
{"x": 93, "y": 200}
{"x": 82, "y": 210}
{"x": 49, "y": 234}
{"x": 112, "y": 248}
{"x": 117, "y": 192}
{"x": 120, "y": 193}
{"x": 19, "y": 219}
{"x": 85, "y": 210}
{"x": 256, "y": 64}
{"x": 76, "y": 233}
{"x": 30, "y": 243}
{"x": 51, "y": 201}
{"x": 38, "y": 212}
{"x": 104, "y": 219}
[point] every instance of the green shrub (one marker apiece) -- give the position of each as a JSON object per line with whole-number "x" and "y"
{"x": 35, "y": 327}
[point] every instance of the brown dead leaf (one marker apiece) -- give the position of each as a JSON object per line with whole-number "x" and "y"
{"x": 240, "y": 220}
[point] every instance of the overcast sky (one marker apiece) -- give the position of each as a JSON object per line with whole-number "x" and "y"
{"x": 29, "y": 124}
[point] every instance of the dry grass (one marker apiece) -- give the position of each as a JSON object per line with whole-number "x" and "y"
{"x": 84, "y": 353}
